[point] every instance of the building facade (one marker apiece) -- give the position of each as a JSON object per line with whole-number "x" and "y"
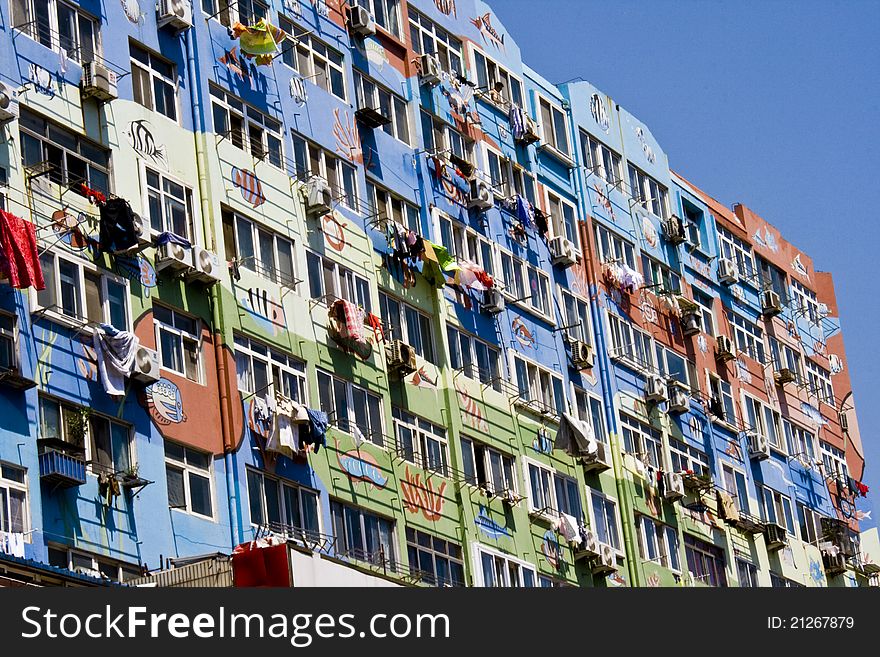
{"x": 545, "y": 358}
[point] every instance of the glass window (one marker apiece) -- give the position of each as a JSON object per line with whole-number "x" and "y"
{"x": 434, "y": 560}
{"x": 189, "y": 480}
{"x": 362, "y": 536}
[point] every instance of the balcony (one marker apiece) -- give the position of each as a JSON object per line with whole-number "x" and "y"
{"x": 61, "y": 464}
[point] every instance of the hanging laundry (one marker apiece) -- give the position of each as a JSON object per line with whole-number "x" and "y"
{"x": 727, "y": 509}
{"x": 525, "y": 212}
{"x": 284, "y": 436}
{"x": 517, "y": 121}
{"x": 315, "y": 432}
{"x": 444, "y": 259}
{"x": 863, "y": 489}
{"x": 261, "y": 410}
{"x": 12, "y": 543}
{"x": 172, "y": 238}
{"x": 359, "y": 438}
{"x": 349, "y": 320}
{"x": 573, "y": 438}
{"x": 568, "y": 527}
{"x": 117, "y": 232}
{"x": 375, "y": 323}
{"x": 115, "y": 352}
{"x": 95, "y": 197}
{"x": 259, "y": 41}
{"x": 19, "y": 256}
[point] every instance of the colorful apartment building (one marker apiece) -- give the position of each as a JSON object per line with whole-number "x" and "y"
{"x": 543, "y": 357}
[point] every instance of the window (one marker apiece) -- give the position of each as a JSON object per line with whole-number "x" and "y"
{"x": 734, "y": 482}
{"x": 733, "y": 248}
{"x": 8, "y": 340}
{"x": 705, "y": 303}
{"x": 59, "y": 26}
{"x": 80, "y": 291}
{"x": 749, "y": 338}
{"x": 776, "y": 508}
{"x": 684, "y": 458}
{"x": 658, "y": 543}
{"x": 648, "y": 192}
{"x": 499, "y": 570}
{"x": 386, "y": 14}
{"x": 282, "y": 506}
{"x": 433, "y": 560}
{"x": 475, "y": 358}
{"x": 673, "y": 366}
{"x": 403, "y": 322}
{"x": 834, "y": 461}
{"x": 421, "y": 442}
{"x": 642, "y": 441}
{"x": 169, "y": 205}
{"x": 600, "y": 159}
{"x": 487, "y": 467}
{"x": 589, "y": 409}
{"x": 784, "y": 356}
{"x": 765, "y": 420}
{"x": 154, "y": 82}
{"x": 229, "y": 12}
{"x": 575, "y": 317}
{"x": 800, "y": 441}
{"x": 554, "y": 126}
{"x": 563, "y": 218}
{"x": 721, "y": 405}
{"x": 705, "y": 561}
{"x": 258, "y": 367}
{"x": 805, "y": 301}
{"x": 370, "y": 94}
{"x": 263, "y": 251}
{"x": 188, "y": 473}
{"x": 629, "y": 344}
{"x": 552, "y": 493}
{"x": 819, "y": 382}
{"x": 693, "y": 222}
{"x": 312, "y": 160}
{"x": 613, "y": 248}
{"x": 89, "y": 564}
{"x": 526, "y": 283}
{"x": 429, "y": 38}
{"x": 178, "y": 339}
{"x": 466, "y": 244}
{"x": 499, "y": 168}
{"x": 538, "y": 387}
{"x": 747, "y": 573}
{"x": 13, "y": 499}
{"x": 385, "y": 205}
{"x": 780, "y": 582}
{"x": 72, "y": 159}
{"x": 810, "y": 524}
{"x": 443, "y": 139}
{"x": 312, "y": 59}
{"x": 361, "y": 535}
{"x": 660, "y": 278}
{"x": 246, "y": 127}
{"x": 351, "y": 407}
{"x": 604, "y": 520}
{"x": 496, "y": 83}
{"x": 110, "y": 444}
{"x": 329, "y": 281}
{"x": 63, "y": 421}
{"x": 773, "y": 278}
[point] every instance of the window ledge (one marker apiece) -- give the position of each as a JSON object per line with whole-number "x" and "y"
{"x": 79, "y": 325}
{"x": 556, "y": 154}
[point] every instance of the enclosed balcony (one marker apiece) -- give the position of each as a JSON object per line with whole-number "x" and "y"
{"x": 62, "y": 465}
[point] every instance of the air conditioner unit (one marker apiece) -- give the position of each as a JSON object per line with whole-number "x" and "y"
{"x": 493, "y": 301}
{"x": 759, "y": 448}
{"x": 673, "y": 230}
{"x": 589, "y": 547}
{"x": 146, "y": 365}
{"x": 728, "y": 273}
{"x": 530, "y": 133}
{"x": 724, "y": 349}
{"x": 176, "y": 14}
{"x": 174, "y": 257}
{"x": 98, "y": 82}
{"x": 775, "y": 536}
{"x": 141, "y": 231}
{"x": 606, "y": 562}
{"x": 582, "y": 354}
{"x": 674, "y": 486}
{"x": 834, "y": 563}
{"x": 429, "y": 69}
{"x": 691, "y": 323}
{"x": 401, "y": 357}
{"x": 360, "y": 21}
{"x": 655, "y": 389}
{"x": 207, "y": 266}
{"x": 679, "y": 399}
{"x": 771, "y": 305}
{"x": 597, "y": 461}
{"x": 562, "y": 251}
{"x": 480, "y": 195}
{"x": 319, "y": 197}
{"x": 8, "y": 103}
{"x": 784, "y": 375}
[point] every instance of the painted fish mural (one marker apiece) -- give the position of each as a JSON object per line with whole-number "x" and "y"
{"x": 552, "y": 550}
{"x": 334, "y": 232}
{"x": 421, "y": 379}
{"x": 522, "y": 334}
{"x": 249, "y": 185}
{"x": 265, "y": 310}
{"x": 87, "y": 361}
{"x": 141, "y": 139}
{"x": 165, "y": 403}
{"x": 490, "y": 34}
{"x": 491, "y": 528}
{"x": 472, "y": 414}
{"x": 138, "y": 268}
{"x": 348, "y": 140}
{"x": 360, "y": 465}
{"x": 68, "y": 229}
{"x": 422, "y": 497}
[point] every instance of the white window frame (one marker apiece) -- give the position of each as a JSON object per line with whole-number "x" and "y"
{"x": 662, "y": 356}
{"x": 470, "y": 362}
{"x": 183, "y": 336}
{"x": 396, "y": 109}
{"x": 92, "y": 451}
{"x": 376, "y": 435}
{"x": 660, "y": 278}
{"x": 443, "y": 139}
{"x": 503, "y": 565}
{"x": 154, "y": 77}
{"x": 492, "y": 74}
{"x": 613, "y": 248}
{"x": 466, "y": 244}
{"x": 286, "y": 377}
{"x": 339, "y": 173}
{"x": 819, "y": 382}
{"x": 616, "y": 542}
{"x": 689, "y": 458}
{"x": 809, "y": 523}
{"x": 314, "y": 60}
{"x": 390, "y": 10}
{"x": 422, "y": 433}
{"x": 388, "y": 205}
{"x": 288, "y": 530}
{"x": 630, "y": 344}
{"x": 559, "y": 224}
{"x": 580, "y": 327}
{"x": 538, "y": 301}
{"x": 504, "y": 479}
{"x": 805, "y": 301}
{"x": 731, "y": 484}
{"x": 398, "y": 328}
{"x": 648, "y": 193}
{"x": 764, "y": 419}
{"x": 31, "y": 29}
{"x": 784, "y": 355}
{"x": 781, "y": 503}
{"x": 548, "y": 506}
{"x": 165, "y": 197}
{"x": 645, "y": 443}
{"x": 124, "y": 571}
{"x": 739, "y": 251}
{"x": 443, "y": 45}
{"x": 187, "y": 469}
{"x": 590, "y": 408}
{"x": 358, "y": 291}
{"x": 254, "y": 263}
{"x": 665, "y": 543}
{"x": 269, "y": 148}
{"x": 539, "y": 386}
{"x": 599, "y": 158}
{"x": 724, "y": 397}
{"x": 834, "y": 462}
{"x": 550, "y": 112}
{"x": 749, "y": 337}
{"x": 228, "y": 12}
{"x": 9, "y": 336}
{"x": 799, "y": 441}
{"x": 21, "y": 488}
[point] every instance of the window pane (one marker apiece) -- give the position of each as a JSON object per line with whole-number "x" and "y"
{"x": 200, "y": 490}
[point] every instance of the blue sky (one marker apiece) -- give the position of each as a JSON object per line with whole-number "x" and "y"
{"x": 773, "y": 104}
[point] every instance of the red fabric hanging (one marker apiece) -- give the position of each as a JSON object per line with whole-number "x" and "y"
{"x": 19, "y": 258}
{"x": 259, "y": 564}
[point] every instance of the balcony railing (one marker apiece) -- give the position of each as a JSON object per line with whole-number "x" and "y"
{"x": 61, "y": 465}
